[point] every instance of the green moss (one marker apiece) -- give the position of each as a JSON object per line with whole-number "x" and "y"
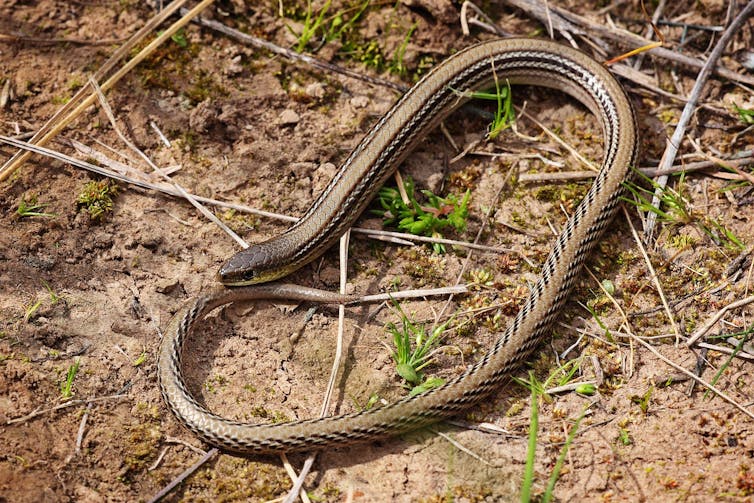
{"x": 424, "y": 267}
{"x": 142, "y": 445}
{"x": 461, "y": 492}
{"x": 97, "y": 198}
{"x": 202, "y": 86}
{"x": 237, "y": 479}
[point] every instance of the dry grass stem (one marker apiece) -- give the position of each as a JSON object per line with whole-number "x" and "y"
{"x": 717, "y": 317}
{"x": 726, "y": 350}
{"x": 458, "y": 445}
{"x": 171, "y": 190}
{"x": 61, "y": 122}
{"x": 654, "y": 276}
{"x": 183, "y": 476}
{"x": 39, "y": 411}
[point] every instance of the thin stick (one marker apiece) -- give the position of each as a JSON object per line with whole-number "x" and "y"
{"x": 711, "y": 322}
{"x": 183, "y": 476}
{"x": 575, "y": 153}
{"x": 82, "y": 428}
{"x": 294, "y": 56}
{"x": 633, "y": 337}
{"x": 728, "y": 351}
{"x": 461, "y": 447}
{"x": 568, "y": 21}
{"x": 180, "y": 441}
{"x": 719, "y": 162}
{"x": 38, "y": 412}
{"x": 53, "y": 41}
{"x": 653, "y": 273}
{"x": 170, "y": 190}
{"x": 411, "y": 294}
{"x": 299, "y": 482}
{"x": 204, "y": 211}
{"x": 341, "y": 322}
{"x": 294, "y": 478}
{"x": 693, "y": 376}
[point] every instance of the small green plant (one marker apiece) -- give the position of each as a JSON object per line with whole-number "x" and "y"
{"x": 678, "y": 210}
{"x": 740, "y": 339}
{"x": 31, "y": 208}
{"x": 179, "y": 38}
{"x": 54, "y": 296}
{"x": 624, "y": 437}
{"x": 440, "y": 212}
{"x": 504, "y": 113}
{"x": 97, "y": 198}
{"x": 481, "y": 278}
{"x": 413, "y": 351}
{"x": 548, "y": 495}
{"x": 721, "y": 234}
{"x": 644, "y": 400}
{"x": 746, "y": 115}
{"x": 560, "y": 376}
{"x": 314, "y": 23}
{"x": 397, "y": 66}
{"x": 141, "y": 359}
{"x": 31, "y": 309}
{"x": 369, "y": 53}
{"x": 373, "y": 399}
{"x": 66, "y": 387}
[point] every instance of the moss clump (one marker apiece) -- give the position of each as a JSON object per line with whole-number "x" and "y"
{"x": 97, "y": 198}
{"x": 236, "y": 479}
{"x": 142, "y": 443}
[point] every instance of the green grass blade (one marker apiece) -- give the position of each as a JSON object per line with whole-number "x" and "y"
{"x": 531, "y": 450}
{"x": 547, "y": 497}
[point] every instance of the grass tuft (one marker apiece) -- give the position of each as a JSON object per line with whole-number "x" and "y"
{"x": 413, "y": 349}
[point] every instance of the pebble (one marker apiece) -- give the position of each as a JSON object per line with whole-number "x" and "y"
{"x": 288, "y": 118}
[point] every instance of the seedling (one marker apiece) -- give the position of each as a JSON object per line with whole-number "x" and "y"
{"x": 742, "y": 338}
{"x": 179, "y": 38}
{"x": 746, "y": 115}
{"x": 54, "y": 297}
{"x": 439, "y": 213}
{"x": 373, "y": 399}
{"x": 644, "y": 400}
{"x": 66, "y": 387}
{"x": 31, "y": 309}
{"x": 141, "y": 359}
{"x": 624, "y": 437}
{"x": 396, "y": 65}
{"x": 678, "y": 210}
{"x": 31, "y": 208}
{"x": 316, "y": 22}
{"x": 504, "y": 114}
{"x": 410, "y": 362}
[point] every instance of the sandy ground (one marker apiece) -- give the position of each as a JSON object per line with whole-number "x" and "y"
{"x": 247, "y": 127}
